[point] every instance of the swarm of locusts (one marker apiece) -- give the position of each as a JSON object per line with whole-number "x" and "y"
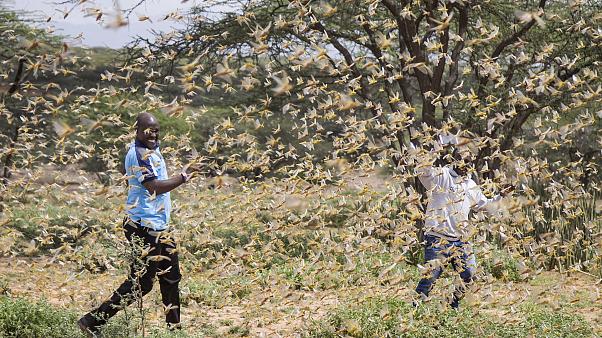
{"x": 312, "y": 119}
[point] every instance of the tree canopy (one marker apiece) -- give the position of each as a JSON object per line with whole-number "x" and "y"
{"x": 394, "y": 66}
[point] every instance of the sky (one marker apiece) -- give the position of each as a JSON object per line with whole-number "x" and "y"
{"x": 94, "y": 33}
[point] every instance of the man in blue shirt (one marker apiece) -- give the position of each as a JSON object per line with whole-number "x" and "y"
{"x": 148, "y": 209}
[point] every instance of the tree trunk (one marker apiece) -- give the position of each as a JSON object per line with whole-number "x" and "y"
{"x": 13, "y": 89}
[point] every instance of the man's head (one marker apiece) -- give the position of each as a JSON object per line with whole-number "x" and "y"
{"x": 462, "y": 159}
{"x": 147, "y": 130}
{"x": 457, "y": 152}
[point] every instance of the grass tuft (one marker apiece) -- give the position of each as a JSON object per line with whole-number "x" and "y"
{"x": 21, "y": 318}
{"x": 380, "y": 317}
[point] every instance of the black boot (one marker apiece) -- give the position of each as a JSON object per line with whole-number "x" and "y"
{"x": 89, "y": 326}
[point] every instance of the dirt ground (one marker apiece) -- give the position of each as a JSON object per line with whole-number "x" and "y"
{"x": 280, "y": 311}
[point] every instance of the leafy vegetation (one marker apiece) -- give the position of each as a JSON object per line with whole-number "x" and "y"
{"x": 20, "y": 318}
{"x": 377, "y": 317}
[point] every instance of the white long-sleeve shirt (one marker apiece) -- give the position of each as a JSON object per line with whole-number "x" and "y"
{"x": 450, "y": 199}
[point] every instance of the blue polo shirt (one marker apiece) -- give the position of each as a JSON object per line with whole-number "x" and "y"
{"x": 143, "y": 165}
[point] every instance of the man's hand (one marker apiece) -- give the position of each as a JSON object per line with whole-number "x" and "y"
{"x": 197, "y": 168}
{"x": 189, "y": 171}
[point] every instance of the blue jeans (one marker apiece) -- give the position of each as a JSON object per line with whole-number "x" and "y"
{"x": 454, "y": 252}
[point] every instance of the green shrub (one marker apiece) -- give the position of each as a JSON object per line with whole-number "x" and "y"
{"x": 121, "y": 326}
{"x": 20, "y": 318}
{"x": 543, "y": 322}
{"x": 239, "y": 331}
{"x": 216, "y": 293}
{"x": 127, "y": 325}
{"x": 379, "y": 317}
{"x": 375, "y": 317}
{"x": 205, "y": 292}
{"x": 50, "y": 224}
{"x": 502, "y": 266}
{"x": 233, "y": 237}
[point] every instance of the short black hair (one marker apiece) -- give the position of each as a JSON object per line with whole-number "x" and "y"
{"x": 143, "y": 118}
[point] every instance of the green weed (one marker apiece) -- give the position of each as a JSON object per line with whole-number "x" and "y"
{"x": 379, "y": 317}
{"x": 21, "y": 318}
{"x": 502, "y": 266}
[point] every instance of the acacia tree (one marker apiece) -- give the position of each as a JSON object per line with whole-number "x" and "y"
{"x": 488, "y": 65}
{"x": 28, "y": 54}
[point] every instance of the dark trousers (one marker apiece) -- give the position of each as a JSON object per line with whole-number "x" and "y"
{"x": 447, "y": 252}
{"x": 157, "y": 255}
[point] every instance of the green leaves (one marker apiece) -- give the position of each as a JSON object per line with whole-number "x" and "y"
{"x": 20, "y": 318}
{"x": 379, "y": 317}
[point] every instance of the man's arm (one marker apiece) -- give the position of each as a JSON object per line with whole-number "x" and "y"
{"x": 480, "y": 201}
{"x": 162, "y": 186}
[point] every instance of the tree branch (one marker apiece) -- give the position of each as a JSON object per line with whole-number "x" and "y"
{"x": 377, "y": 52}
{"x": 514, "y": 37}
{"x": 407, "y": 29}
{"x": 18, "y": 77}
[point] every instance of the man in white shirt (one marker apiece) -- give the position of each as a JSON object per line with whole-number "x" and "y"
{"x": 451, "y": 196}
